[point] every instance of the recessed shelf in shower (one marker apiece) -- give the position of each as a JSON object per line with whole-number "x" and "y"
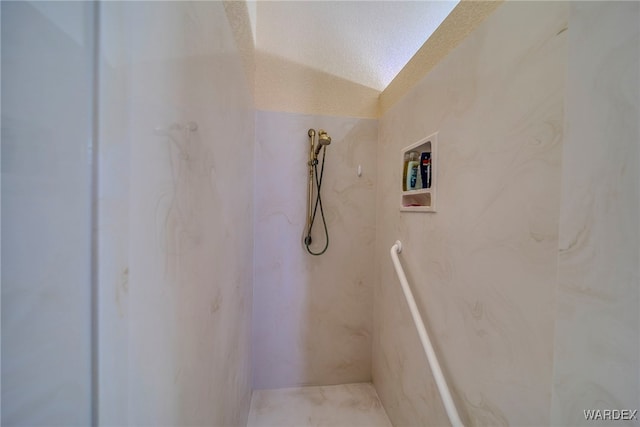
{"x": 421, "y": 199}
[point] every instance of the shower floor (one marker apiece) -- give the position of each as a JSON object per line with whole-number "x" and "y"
{"x": 347, "y": 405}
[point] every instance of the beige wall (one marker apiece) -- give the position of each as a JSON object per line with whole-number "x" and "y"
{"x": 312, "y": 314}
{"x": 176, "y": 217}
{"x": 483, "y": 268}
{"x": 597, "y": 349}
{"x": 283, "y": 85}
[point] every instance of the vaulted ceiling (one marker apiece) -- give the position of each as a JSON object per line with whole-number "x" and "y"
{"x": 365, "y": 42}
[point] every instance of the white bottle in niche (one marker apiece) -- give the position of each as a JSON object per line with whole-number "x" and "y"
{"x": 412, "y": 171}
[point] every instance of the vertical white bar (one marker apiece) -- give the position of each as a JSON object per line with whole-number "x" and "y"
{"x": 441, "y": 382}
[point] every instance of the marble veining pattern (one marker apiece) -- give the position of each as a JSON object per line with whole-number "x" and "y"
{"x": 348, "y": 405}
{"x": 176, "y": 276}
{"x": 527, "y": 276}
{"x": 483, "y": 268}
{"x": 597, "y": 347}
{"x": 312, "y": 315}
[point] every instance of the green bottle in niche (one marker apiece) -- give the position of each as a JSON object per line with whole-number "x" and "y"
{"x": 404, "y": 171}
{"x": 412, "y": 171}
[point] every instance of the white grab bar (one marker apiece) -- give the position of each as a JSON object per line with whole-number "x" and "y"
{"x": 445, "y": 395}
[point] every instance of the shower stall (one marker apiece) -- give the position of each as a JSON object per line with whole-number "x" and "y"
{"x": 161, "y": 203}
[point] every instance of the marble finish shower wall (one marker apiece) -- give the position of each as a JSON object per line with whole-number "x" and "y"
{"x": 597, "y": 360}
{"x": 176, "y": 221}
{"x": 312, "y": 315}
{"x": 483, "y": 267}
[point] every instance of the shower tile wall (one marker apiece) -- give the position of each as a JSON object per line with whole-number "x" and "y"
{"x": 483, "y": 267}
{"x": 597, "y": 349}
{"x": 176, "y": 222}
{"x": 312, "y": 315}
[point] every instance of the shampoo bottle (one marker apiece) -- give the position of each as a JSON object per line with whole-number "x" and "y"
{"x": 425, "y": 169}
{"x": 404, "y": 171}
{"x": 412, "y": 170}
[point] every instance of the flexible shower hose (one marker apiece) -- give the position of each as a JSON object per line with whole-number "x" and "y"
{"x": 307, "y": 240}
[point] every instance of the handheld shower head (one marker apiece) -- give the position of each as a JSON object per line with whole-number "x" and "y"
{"x": 314, "y": 185}
{"x": 323, "y": 139}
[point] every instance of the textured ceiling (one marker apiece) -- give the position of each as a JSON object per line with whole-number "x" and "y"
{"x": 366, "y": 42}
